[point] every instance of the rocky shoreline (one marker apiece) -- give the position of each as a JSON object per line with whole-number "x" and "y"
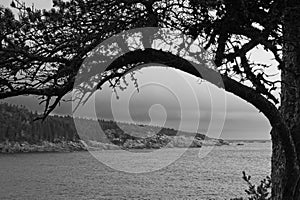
{"x": 157, "y": 143}
{"x": 25, "y": 147}
{"x": 20, "y": 133}
{"x": 71, "y": 146}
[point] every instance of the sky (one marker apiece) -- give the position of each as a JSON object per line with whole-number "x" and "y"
{"x": 178, "y": 101}
{"x": 171, "y": 98}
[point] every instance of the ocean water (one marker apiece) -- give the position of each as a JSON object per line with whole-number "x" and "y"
{"x": 79, "y": 175}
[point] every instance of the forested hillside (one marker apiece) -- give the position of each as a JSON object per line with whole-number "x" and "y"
{"x": 18, "y": 124}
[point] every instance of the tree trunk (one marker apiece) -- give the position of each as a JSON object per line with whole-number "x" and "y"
{"x": 290, "y": 104}
{"x": 278, "y": 167}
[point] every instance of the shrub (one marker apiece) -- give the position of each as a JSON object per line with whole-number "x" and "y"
{"x": 260, "y": 192}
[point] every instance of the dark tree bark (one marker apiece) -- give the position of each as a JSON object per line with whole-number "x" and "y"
{"x": 285, "y": 167}
{"x": 290, "y": 106}
{"x": 285, "y": 133}
{"x": 234, "y": 18}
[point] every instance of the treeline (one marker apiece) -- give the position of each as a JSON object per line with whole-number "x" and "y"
{"x": 18, "y": 124}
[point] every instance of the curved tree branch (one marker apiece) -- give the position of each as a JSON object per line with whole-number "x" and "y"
{"x": 246, "y": 93}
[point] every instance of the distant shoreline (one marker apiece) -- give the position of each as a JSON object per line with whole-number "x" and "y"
{"x": 11, "y": 147}
{"x": 248, "y": 141}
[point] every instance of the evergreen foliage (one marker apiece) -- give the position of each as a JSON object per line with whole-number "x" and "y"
{"x": 19, "y": 124}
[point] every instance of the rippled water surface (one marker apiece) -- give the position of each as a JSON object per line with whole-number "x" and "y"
{"x": 80, "y": 176}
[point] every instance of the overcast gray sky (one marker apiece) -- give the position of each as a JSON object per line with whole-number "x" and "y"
{"x": 168, "y": 95}
{"x": 165, "y": 98}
